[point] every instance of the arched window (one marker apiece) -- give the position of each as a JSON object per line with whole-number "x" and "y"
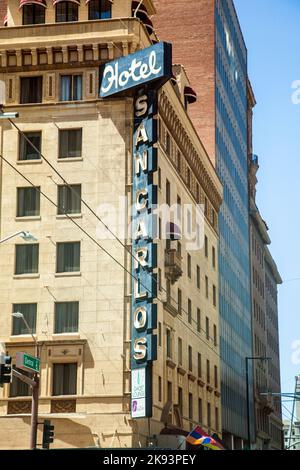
{"x": 66, "y": 11}
{"x": 99, "y": 9}
{"x": 33, "y": 12}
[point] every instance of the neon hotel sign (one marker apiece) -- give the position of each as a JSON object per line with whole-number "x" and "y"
{"x": 141, "y": 74}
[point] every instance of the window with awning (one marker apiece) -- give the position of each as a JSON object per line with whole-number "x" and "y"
{"x": 66, "y": 10}
{"x": 33, "y": 11}
{"x": 33, "y": 2}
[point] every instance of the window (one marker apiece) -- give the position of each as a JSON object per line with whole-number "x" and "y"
{"x": 29, "y": 313}
{"x": 208, "y": 415}
{"x": 179, "y": 248}
{"x": 189, "y": 266}
{"x": 208, "y": 371}
{"x": 27, "y": 259}
{"x": 206, "y": 246}
{"x": 178, "y": 161}
{"x": 26, "y": 150}
{"x": 159, "y": 178}
{"x": 190, "y": 406}
{"x": 198, "y": 277}
{"x": 28, "y": 202}
{"x": 169, "y": 344}
{"x": 31, "y": 89}
{"x": 68, "y": 257}
{"x": 33, "y": 14}
{"x": 69, "y": 199}
{"x": 159, "y": 279}
{"x": 180, "y": 400}
{"x": 199, "y": 365}
{"x": 170, "y": 391}
{"x": 19, "y": 388}
{"x": 99, "y": 9}
{"x": 198, "y": 320}
{"x": 188, "y": 178}
{"x": 215, "y": 335}
{"x": 159, "y": 389}
{"x": 214, "y": 296}
{"x": 168, "y": 193}
{"x": 64, "y": 379}
{"x": 207, "y": 327}
{"x": 179, "y": 209}
{"x": 168, "y": 143}
{"x": 66, "y": 11}
{"x": 190, "y": 358}
{"x": 206, "y": 286}
{"x": 159, "y": 333}
{"x": 66, "y": 317}
{"x": 179, "y": 300}
{"x": 180, "y": 351}
{"x": 213, "y": 257}
{"x": 190, "y": 311}
{"x": 71, "y": 87}
{"x": 216, "y": 376}
{"x": 70, "y": 143}
{"x": 200, "y": 410}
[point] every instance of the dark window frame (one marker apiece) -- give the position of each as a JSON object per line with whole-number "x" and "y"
{"x": 59, "y": 257}
{"x": 103, "y": 13}
{"x": 18, "y": 250}
{"x": 24, "y": 145}
{"x": 63, "y": 132}
{"x": 33, "y": 10}
{"x": 70, "y": 7}
{"x": 31, "y": 89}
{"x": 22, "y": 200}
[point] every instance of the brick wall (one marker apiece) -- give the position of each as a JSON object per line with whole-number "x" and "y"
{"x": 189, "y": 25}
{"x": 3, "y": 11}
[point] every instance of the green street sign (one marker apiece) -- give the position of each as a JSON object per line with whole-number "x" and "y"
{"x": 26, "y": 362}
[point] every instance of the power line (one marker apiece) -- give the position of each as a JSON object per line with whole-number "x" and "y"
{"x": 103, "y": 249}
{"x": 105, "y": 225}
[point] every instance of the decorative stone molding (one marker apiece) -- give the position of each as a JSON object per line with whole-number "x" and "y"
{"x": 187, "y": 149}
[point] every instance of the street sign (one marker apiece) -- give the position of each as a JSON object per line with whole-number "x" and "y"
{"x": 26, "y": 362}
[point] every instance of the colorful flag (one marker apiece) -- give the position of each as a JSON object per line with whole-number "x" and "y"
{"x": 198, "y": 437}
{"x": 208, "y": 441}
{"x": 195, "y": 435}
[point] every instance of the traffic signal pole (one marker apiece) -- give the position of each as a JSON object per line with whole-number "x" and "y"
{"x": 34, "y": 412}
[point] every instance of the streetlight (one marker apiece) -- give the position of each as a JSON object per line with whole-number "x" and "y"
{"x": 247, "y": 359}
{"x": 35, "y": 387}
{"x": 27, "y": 236}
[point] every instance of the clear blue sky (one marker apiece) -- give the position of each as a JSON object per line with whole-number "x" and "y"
{"x": 272, "y": 33}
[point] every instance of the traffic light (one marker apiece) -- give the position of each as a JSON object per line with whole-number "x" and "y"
{"x": 48, "y": 434}
{"x": 5, "y": 370}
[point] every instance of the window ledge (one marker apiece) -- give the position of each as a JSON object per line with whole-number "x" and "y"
{"x": 34, "y": 161}
{"x": 72, "y": 274}
{"x": 70, "y": 159}
{"x": 65, "y": 336}
{"x": 67, "y": 216}
{"x": 26, "y": 276}
{"x": 28, "y": 217}
{"x": 22, "y": 338}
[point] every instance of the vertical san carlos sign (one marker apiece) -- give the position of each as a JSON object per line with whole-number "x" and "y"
{"x": 141, "y": 75}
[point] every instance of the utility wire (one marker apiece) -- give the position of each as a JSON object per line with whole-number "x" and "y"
{"x": 106, "y": 251}
{"x": 104, "y": 224}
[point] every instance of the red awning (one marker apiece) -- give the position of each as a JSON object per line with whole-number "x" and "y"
{"x": 111, "y": 1}
{"x": 190, "y": 94}
{"x": 30, "y": 2}
{"x": 73, "y": 1}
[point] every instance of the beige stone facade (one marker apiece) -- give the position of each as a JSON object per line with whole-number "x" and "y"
{"x": 99, "y": 413}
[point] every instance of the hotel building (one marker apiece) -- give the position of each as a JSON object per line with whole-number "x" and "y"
{"x": 76, "y": 297}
